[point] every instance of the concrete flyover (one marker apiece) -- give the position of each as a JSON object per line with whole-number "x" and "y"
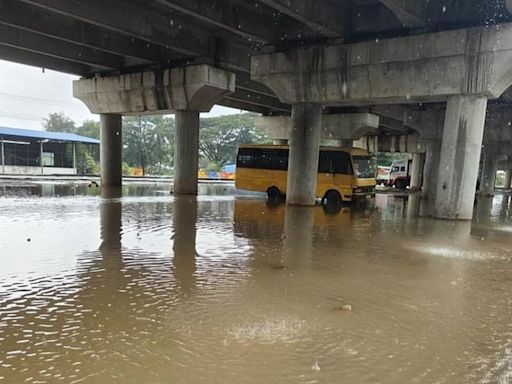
{"x": 426, "y": 73}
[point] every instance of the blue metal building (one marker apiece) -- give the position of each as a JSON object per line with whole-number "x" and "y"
{"x": 31, "y": 152}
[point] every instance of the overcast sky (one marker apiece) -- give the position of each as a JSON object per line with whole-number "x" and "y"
{"x": 28, "y": 95}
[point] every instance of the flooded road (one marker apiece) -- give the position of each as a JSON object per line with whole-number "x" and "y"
{"x": 151, "y": 288}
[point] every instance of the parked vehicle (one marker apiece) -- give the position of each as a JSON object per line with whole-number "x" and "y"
{"x": 399, "y": 175}
{"x": 343, "y": 174}
{"x": 383, "y": 175}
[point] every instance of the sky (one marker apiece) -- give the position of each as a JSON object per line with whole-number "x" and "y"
{"x": 29, "y": 94}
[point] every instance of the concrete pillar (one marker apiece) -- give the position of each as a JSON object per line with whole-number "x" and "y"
{"x": 111, "y": 150}
{"x": 41, "y": 150}
{"x": 460, "y": 157}
{"x": 186, "y": 152}
{"x": 74, "y": 159}
{"x": 430, "y": 176}
{"x": 304, "y": 153}
{"x": 2, "y": 154}
{"x": 508, "y": 178}
{"x": 416, "y": 171}
{"x": 489, "y": 168}
{"x": 413, "y": 205}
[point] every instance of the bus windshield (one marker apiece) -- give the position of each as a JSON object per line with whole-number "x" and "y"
{"x": 363, "y": 167}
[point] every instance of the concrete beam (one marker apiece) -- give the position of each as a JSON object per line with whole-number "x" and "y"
{"x": 412, "y": 14}
{"x": 399, "y": 143}
{"x": 126, "y": 18}
{"x": 43, "y": 45}
{"x": 34, "y": 19}
{"x": 392, "y": 126}
{"x": 321, "y": 16}
{"x": 429, "y": 67}
{"x": 43, "y": 61}
{"x": 251, "y": 98}
{"x": 428, "y": 124}
{"x": 240, "y": 105}
{"x": 195, "y": 88}
{"x": 334, "y": 127}
{"x": 251, "y": 26}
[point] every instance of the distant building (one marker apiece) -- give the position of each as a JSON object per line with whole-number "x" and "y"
{"x": 30, "y": 152}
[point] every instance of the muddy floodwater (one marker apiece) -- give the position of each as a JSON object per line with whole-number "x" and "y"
{"x": 225, "y": 288}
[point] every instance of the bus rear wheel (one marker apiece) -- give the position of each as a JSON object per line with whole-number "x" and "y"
{"x": 332, "y": 198}
{"x": 273, "y": 193}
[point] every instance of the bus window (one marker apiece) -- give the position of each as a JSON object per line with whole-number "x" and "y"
{"x": 246, "y": 157}
{"x": 363, "y": 167}
{"x": 334, "y": 162}
{"x": 274, "y": 159}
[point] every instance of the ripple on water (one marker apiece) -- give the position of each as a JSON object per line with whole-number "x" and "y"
{"x": 143, "y": 290}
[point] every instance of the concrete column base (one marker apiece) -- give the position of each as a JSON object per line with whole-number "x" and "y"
{"x": 186, "y": 152}
{"x": 460, "y": 157}
{"x": 430, "y": 176}
{"x": 416, "y": 172}
{"x": 304, "y": 154}
{"x": 111, "y": 150}
{"x": 489, "y": 169}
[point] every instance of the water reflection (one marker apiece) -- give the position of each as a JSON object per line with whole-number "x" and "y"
{"x": 505, "y": 209}
{"x": 413, "y": 205}
{"x": 298, "y": 236}
{"x": 184, "y": 242}
{"x": 242, "y": 290}
{"x": 111, "y": 218}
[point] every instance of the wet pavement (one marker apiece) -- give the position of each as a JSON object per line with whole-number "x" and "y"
{"x": 225, "y": 288}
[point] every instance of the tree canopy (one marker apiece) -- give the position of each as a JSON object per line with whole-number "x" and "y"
{"x": 148, "y": 141}
{"x": 59, "y": 122}
{"x": 220, "y": 137}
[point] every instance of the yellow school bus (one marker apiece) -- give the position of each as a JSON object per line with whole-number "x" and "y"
{"x": 344, "y": 174}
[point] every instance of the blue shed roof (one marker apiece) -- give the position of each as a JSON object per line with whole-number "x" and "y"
{"x": 57, "y": 136}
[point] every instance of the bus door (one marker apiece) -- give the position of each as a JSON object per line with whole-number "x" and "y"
{"x": 335, "y": 168}
{"x": 343, "y": 171}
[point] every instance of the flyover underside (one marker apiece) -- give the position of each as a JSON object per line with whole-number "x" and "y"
{"x": 275, "y": 56}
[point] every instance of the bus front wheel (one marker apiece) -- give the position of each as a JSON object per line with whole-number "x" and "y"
{"x": 332, "y": 198}
{"x": 273, "y": 193}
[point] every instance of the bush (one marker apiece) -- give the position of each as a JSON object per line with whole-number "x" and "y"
{"x": 127, "y": 170}
{"x": 213, "y": 167}
{"x": 92, "y": 168}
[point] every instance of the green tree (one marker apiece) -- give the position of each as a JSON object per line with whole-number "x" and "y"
{"x": 92, "y": 167}
{"x": 59, "y": 122}
{"x": 89, "y": 128}
{"x": 148, "y": 142}
{"x": 385, "y": 159}
{"x": 221, "y": 136}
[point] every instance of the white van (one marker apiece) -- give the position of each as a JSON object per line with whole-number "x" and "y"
{"x": 399, "y": 175}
